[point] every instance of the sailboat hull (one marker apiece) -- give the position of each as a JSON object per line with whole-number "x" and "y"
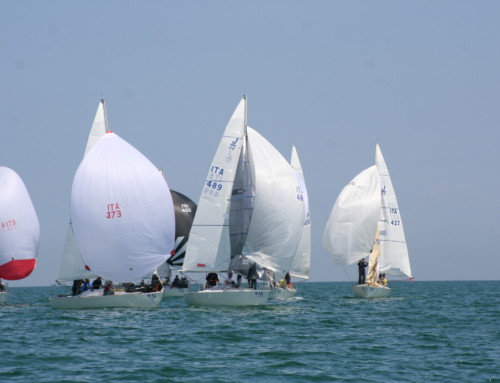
{"x": 97, "y": 300}
{"x": 3, "y": 297}
{"x": 173, "y": 292}
{"x": 283, "y": 293}
{"x": 227, "y": 297}
{"x": 366, "y": 291}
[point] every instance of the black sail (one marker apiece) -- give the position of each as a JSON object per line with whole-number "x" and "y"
{"x": 185, "y": 209}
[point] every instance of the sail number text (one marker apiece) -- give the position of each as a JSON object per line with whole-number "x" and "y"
{"x": 113, "y": 211}
{"x": 8, "y": 225}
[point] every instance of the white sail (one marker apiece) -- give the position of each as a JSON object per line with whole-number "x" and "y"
{"x": 99, "y": 127}
{"x": 72, "y": 266}
{"x": 122, "y": 211}
{"x": 278, "y": 216}
{"x": 209, "y": 246}
{"x": 302, "y": 262}
{"x": 19, "y": 228}
{"x": 394, "y": 258}
{"x": 350, "y": 231}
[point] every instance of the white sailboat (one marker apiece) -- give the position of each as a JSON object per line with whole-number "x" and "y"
{"x": 246, "y": 218}
{"x": 122, "y": 219}
{"x": 19, "y": 229}
{"x": 366, "y": 222}
{"x": 302, "y": 261}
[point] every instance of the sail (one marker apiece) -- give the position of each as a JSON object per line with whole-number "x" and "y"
{"x": 99, "y": 127}
{"x": 278, "y": 215}
{"x": 185, "y": 210}
{"x": 209, "y": 247}
{"x": 372, "y": 277}
{"x": 19, "y": 228}
{"x": 350, "y": 231}
{"x": 72, "y": 266}
{"x": 242, "y": 201}
{"x": 394, "y": 258}
{"x": 302, "y": 262}
{"x": 122, "y": 212}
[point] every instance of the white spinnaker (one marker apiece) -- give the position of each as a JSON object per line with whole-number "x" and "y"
{"x": 209, "y": 245}
{"x": 278, "y": 216}
{"x": 19, "y": 227}
{"x": 72, "y": 266}
{"x": 350, "y": 231}
{"x": 302, "y": 261}
{"x": 394, "y": 258}
{"x": 122, "y": 211}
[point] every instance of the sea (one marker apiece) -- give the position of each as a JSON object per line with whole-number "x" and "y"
{"x": 425, "y": 332}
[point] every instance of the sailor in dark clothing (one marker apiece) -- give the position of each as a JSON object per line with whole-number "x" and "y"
{"x": 176, "y": 282}
{"x": 97, "y": 284}
{"x": 361, "y": 271}
{"x": 212, "y": 280}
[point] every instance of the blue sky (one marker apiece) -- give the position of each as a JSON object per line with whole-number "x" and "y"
{"x": 334, "y": 78}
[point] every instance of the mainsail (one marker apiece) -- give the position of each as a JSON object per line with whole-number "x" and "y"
{"x": 19, "y": 228}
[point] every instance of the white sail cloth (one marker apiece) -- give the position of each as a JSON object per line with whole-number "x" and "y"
{"x": 72, "y": 266}
{"x": 277, "y": 216}
{"x": 19, "y": 227}
{"x": 394, "y": 259}
{"x": 209, "y": 247}
{"x": 350, "y": 231}
{"x": 302, "y": 261}
{"x": 122, "y": 211}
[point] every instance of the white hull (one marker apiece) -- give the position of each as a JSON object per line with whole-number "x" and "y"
{"x": 365, "y": 291}
{"x": 173, "y": 292}
{"x": 283, "y": 293}
{"x": 3, "y": 297}
{"x": 97, "y": 300}
{"x": 227, "y": 297}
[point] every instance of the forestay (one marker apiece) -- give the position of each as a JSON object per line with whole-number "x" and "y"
{"x": 122, "y": 211}
{"x": 19, "y": 228}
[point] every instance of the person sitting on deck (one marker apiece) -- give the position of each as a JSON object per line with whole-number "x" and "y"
{"x": 97, "y": 284}
{"x": 229, "y": 280}
{"x": 176, "y": 282}
{"x": 108, "y": 288}
{"x": 212, "y": 280}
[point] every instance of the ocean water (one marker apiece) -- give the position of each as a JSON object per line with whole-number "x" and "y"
{"x": 426, "y": 332}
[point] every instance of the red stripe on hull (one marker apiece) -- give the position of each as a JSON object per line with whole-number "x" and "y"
{"x": 17, "y": 269}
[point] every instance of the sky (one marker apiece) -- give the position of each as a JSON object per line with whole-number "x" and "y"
{"x": 333, "y": 78}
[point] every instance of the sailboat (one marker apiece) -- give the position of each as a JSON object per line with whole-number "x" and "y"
{"x": 19, "y": 229}
{"x": 366, "y": 222}
{"x": 122, "y": 219}
{"x": 185, "y": 210}
{"x": 302, "y": 261}
{"x": 248, "y": 221}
